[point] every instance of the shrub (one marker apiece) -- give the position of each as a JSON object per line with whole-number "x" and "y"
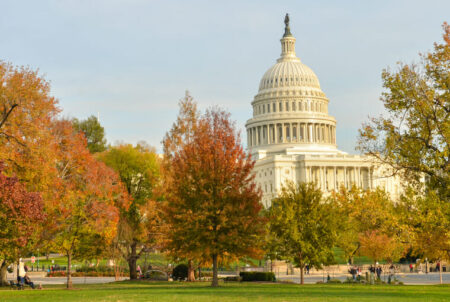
{"x": 180, "y": 272}
{"x": 334, "y": 280}
{"x": 232, "y": 279}
{"x": 257, "y": 276}
{"x": 155, "y": 275}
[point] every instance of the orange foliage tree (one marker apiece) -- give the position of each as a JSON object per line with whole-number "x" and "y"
{"x": 89, "y": 195}
{"x": 212, "y": 202}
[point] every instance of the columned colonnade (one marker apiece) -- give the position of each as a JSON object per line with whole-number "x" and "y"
{"x": 330, "y": 178}
{"x": 275, "y": 133}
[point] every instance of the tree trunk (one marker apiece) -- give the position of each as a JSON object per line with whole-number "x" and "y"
{"x": 69, "y": 271}
{"x": 440, "y": 271}
{"x": 3, "y": 273}
{"x": 301, "y": 275}
{"x": 191, "y": 274}
{"x": 132, "y": 259}
{"x": 215, "y": 280}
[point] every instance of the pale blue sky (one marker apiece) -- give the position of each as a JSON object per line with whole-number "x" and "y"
{"x": 132, "y": 60}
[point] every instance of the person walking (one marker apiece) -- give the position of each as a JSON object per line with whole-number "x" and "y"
{"x": 411, "y": 268}
{"x": 21, "y": 272}
{"x": 379, "y": 270}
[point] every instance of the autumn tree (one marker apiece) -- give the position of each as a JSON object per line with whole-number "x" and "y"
{"x": 93, "y": 131}
{"x": 20, "y": 212}
{"x": 89, "y": 194}
{"x": 367, "y": 224}
{"x": 181, "y": 133}
{"x": 427, "y": 220}
{"x": 27, "y": 144}
{"x": 213, "y": 204}
{"x": 413, "y": 137}
{"x": 302, "y": 224}
{"x": 138, "y": 168}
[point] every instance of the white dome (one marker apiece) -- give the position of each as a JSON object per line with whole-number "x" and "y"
{"x": 289, "y": 73}
{"x": 290, "y": 111}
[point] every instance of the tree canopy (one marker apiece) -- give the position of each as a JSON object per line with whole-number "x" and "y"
{"x": 212, "y": 200}
{"x": 94, "y": 133}
{"x": 302, "y": 225}
{"x": 413, "y": 137}
{"x": 138, "y": 169}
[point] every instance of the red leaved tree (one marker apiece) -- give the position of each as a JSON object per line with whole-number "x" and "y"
{"x": 20, "y": 212}
{"x": 213, "y": 203}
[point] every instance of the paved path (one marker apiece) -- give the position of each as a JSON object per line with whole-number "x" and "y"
{"x": 406, "y": 278}
{"x": 75, "y": 280}
{"x": 411, "y": 279}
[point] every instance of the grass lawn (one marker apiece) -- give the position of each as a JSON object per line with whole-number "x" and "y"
{"x": 198, "y": 292}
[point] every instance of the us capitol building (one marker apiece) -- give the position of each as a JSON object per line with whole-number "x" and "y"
{"x": 293, "y": 138}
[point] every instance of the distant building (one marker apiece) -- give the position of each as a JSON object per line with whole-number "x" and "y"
{"x": 293, "y": 138}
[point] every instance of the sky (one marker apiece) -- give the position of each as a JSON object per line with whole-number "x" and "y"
{"x": 131, "y": 61}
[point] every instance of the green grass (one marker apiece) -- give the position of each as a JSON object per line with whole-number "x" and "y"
{"x": 199, "y": 292}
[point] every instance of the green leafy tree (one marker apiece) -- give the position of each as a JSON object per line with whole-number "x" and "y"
{"x": 138, "y": 168}
{"x": 94, "y": 133}
{"x": 303, "y": 225}
{"x": 413, "y": 138}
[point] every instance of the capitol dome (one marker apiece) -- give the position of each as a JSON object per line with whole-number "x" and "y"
{"x": 290, "y": 111}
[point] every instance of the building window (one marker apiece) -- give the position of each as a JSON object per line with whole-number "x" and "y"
{"x": 268, "y": 108}
{"x": 280, "y": 107}
{"x": 294, "y": 133}
{"x": 287, "y": 106}
{"x": 264, "y": 109}
{"x": 293, "y": 106}
{"x": 274, "y": 107}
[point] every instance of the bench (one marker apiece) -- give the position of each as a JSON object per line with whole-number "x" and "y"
{"x": 17, "y": 286}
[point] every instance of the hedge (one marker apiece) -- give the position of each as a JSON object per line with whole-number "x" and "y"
{"x": 257, "y": 276}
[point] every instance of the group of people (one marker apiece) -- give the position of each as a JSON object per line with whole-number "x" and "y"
{"x": 355, "y": 271}
{"x": 376, "y": 270}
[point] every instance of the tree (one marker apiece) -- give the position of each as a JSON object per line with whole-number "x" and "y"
{"x": 138, "y": 168}
{"x": 181, "y": 133}
{"x": 27, "y": 145}
{"x": 427, "y": 219}
{"x": 20, "y": 212}
{"x": 303, "y": 225}
{"x": 213, "y": 203}
{"x": 367, "y": 224}
{"x": 379, "y": 246}
{"x": 414, "y": 137}
{"x": 94, "y": 133}
{"x": 89, "y": 196}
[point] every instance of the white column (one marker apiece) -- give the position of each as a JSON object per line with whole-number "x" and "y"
{"x": 345, "y": 177}
{"x": 335, "y": 179}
